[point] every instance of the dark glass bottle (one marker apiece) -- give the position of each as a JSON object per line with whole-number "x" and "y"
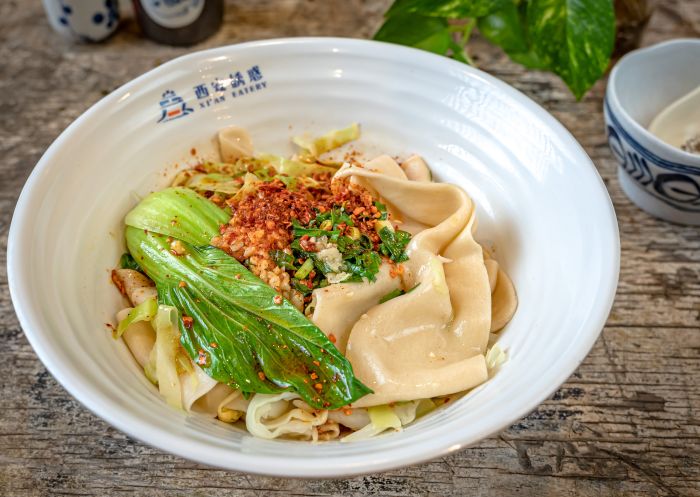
{"x": 179, "y": 22}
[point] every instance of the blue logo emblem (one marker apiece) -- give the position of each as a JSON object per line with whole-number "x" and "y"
{"x": 173, "y": 107}
{"x": 237, "y": 84}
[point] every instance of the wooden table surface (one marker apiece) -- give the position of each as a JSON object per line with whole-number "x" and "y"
{"x": 626, "y": 423}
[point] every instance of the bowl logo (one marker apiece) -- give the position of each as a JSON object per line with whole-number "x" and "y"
{"x": 237, "y": 84}
{"x": 173, "y": 107}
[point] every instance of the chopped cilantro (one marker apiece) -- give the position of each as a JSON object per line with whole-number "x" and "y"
{"x": 391, "y": 295}
{"x": 394, "y": 243}
{"x": 283, "y": 259}
{"x": 396, "y": 293}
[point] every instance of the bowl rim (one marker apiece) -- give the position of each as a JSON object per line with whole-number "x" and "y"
{"x": 615, "y": 107}
{"x": 278, "y": 464}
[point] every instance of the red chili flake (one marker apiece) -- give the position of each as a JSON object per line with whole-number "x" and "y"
{"x": 202, "y": 358}
{"x": 261, "y": 375}
{"x": 306, "y": 381}
{"x": 214, "y": 345}
{"x": 277, "y": 299}
{"x": 314, "y": 376}
{"x": 308, "y": 245}
{"x": 332, "y": 338}
{"x": 187, "y": 321}
{"x": 317, "y": 363}
{"x": 182, "y": 284}
{"x": 347, "y": 411}
{"x": 238, "y": 276}
{"x": 326, "y": 404}
{"x": 318, "y": 386}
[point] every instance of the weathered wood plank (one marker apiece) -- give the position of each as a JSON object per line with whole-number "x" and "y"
{"x": 626, "y": 423}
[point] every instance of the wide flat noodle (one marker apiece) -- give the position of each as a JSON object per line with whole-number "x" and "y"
{"x": 504, "y": 301}
{"x": 340, "y": 306}
{"x": 234, "y": 143}
{"x": 431, "y": 341}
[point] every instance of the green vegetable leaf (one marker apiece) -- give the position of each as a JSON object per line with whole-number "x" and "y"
{"x": 283, "y": 259}
{"x": 305, "y": 269}
{"x": 574, "y": 37}
{"x": 364, "y": 266}
{"x": 128, "y": 262}
{"x": 213, "y": 182}
{"x": 391, "y": 295}
{"x": 165, "y": 354}
{"x": 294, "y": 168}
{"x": 145, "y": 311}
{"x": 333, "y": 139}
{"x": 180, "y": 213}
{"x": 414, "y": 30}
{"x": 452, "y": 9}
{"x": 396, "y": 293}
{"x": 394, "y": 243}
{"x": 237, "y": 328}
{"x": 299, "y": 230}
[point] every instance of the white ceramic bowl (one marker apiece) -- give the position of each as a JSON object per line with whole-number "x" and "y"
{"x": 541, "y": 204}
{"x": 661, "y": 179}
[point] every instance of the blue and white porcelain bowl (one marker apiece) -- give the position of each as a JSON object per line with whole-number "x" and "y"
{"x": 661, "y": 179}
{"x": 83, "y": 20}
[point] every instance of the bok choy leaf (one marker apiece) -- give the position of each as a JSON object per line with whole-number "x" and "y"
{"x": 180, "y": 213}
{"x": 232, "y": 324}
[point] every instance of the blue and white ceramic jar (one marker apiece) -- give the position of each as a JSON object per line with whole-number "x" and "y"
{"x": 661, "y": 179}
{"x": 83, "y": 20}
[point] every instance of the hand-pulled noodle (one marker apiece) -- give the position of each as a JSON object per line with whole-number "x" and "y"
{"x": 338, "y": 307}
{"x": 430, "y": 341}
{"x": 234, "y": 143}
{"x": 414, "y": 335}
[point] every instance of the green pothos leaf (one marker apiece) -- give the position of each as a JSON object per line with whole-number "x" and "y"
{"x": 573, "y": 37}
{"x": 414, "y": 30}
{"x": 452, "y": 9}
{"x": 507, "y": 28}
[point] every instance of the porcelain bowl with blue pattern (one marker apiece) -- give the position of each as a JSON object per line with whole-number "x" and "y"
{"x": 661, "y": 179}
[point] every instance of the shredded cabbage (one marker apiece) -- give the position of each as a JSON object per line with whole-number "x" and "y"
{"x": 294, "y": 168}
{"x": 213, "y": 182}
{"x": 166, "y": 351}
{"x": 145, "y": 311}
{"x": 316, "y": 146}
{"x": 495, "y": 357}
{"x": 424, "y": 407}
{"x": 225, "y": 412}
{"x": 381, "y": 419}
{"x": 385, "y": 417}
{"x": 268, "y": 416}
